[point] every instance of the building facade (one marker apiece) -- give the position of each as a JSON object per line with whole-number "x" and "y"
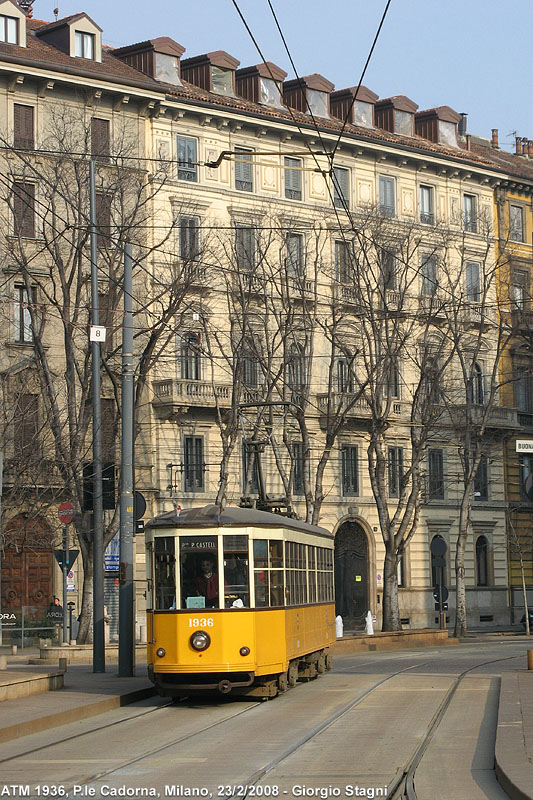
{"x": 305, "y": 256}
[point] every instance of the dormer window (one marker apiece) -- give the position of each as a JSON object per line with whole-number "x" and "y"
{"x": 270, "y": 93}
{"x": 167, "y": 69}
{"x": 84, "y": 45}
{"x": 318, "y": 103}
{"x": 362, "y": 114}
{"x": 222, "y": 81}
{"x": 403, "y": 123}
{"x": 9, "y": 29}
{"x": 447, "y": 133}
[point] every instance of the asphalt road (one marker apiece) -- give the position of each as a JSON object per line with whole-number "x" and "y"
{"x": 347, "y": 734}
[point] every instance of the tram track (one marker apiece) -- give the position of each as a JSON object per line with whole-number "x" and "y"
{"x": 403, "y": 786}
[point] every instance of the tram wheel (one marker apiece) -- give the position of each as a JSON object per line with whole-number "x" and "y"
{"x": 321, "y": 664}
{"x": 283, "y": 682}
{"x": 329, "y": 662}
{"x": 292, "y": 674}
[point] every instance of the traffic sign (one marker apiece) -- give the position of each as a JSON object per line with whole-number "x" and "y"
{"x": 438, "y": 546}
{"x": 60, "y": 558}
{"x": 139, "y": 504}
{"x": 65, "y": 512}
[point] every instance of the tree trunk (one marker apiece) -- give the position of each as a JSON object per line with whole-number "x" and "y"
{"x": 391, "y": 606}
{"x": 85, "y": 633}
{"x": 460, "y": 588}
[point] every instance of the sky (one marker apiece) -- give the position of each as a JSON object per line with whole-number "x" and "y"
{"x": 473, "y": 55}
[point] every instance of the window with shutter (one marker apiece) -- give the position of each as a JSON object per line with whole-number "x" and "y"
{"x": 427, "y": 215}
{"x": 350, "y": 482}
{"x": 26, "y": 427}
{"x": 193, "y": 466}
{"x": 516, "y": 223}
{"x": 24, "y": 209}
{"x": 428, "y": 276}
{"x": 470, "y": 216}
{"x": 191, "y": 363}
{"x": 100, "y": 139}
{"x": 243, "y": 170}
{"x": 395, "y": 471}
{"x": 103, "y": 219}
{"x": 187, "y": 159}
{"x": 436, "y": 474}
{"x": 298, "y": 485}
{"x": 22, "y": 317}
{"x": 189, "y": 229}
{"x": 293, "y": 178}
{"x": 473, "y": 288}
{"x": 245, "y": 248}
{"x": 294, "y": 255}
{"x": 387, "y": 204}
{"x": 23, "y": 136}
{"x": 341, "y": 187}
{"x": 481, "y": 481}
{"x": 342, "y": 262}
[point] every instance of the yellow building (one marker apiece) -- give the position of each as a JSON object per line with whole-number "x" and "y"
{"x": 514, "y": 216}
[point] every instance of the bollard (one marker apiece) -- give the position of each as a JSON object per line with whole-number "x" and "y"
{"x": 63, "y": 662}
{"x": 13, "y": 649}
{"x": 530, "y": 659}
{"x": 3, "y": 662}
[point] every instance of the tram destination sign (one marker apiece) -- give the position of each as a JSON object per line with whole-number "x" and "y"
{"x": 199, "y": 543}
{"x": 524, "y": 445}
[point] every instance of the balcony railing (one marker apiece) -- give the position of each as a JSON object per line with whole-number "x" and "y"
{"x": 346, "y": 293}
{"x": 358, "y": 408}
{"x": 173, "y": 394}
{"x": 499, "y": 417}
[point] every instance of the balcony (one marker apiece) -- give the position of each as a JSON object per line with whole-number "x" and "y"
{"x": 360, "y": 408}
{"x": 500, "y": 418}
{"x": 301, "y": 288}
{"x": 346, "y": 293}
{"x": 172, "y": 396}
{"x": 478, "y": 314}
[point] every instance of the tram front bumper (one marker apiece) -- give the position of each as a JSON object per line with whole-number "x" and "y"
{"x": 169, "y": 684}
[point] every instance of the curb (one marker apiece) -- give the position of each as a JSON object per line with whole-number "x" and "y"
{"x": 73, "y": 714}
{"x": 513, "y": 768}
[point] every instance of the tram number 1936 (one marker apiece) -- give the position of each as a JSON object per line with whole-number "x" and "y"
{"x": 201, "y": 622}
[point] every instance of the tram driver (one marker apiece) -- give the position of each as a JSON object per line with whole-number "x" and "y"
{"x": 206, "y": 582}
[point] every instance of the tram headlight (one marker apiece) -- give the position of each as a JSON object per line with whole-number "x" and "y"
{"x": 160, "y": 652}
{"x": 244, "y": 651}
{"x": 200, "y": 640}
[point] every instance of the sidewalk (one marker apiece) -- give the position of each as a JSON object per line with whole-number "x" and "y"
{"x": 85, "y": 694}
{"x": 514, "y": 737}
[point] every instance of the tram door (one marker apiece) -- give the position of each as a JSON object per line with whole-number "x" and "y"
{"x": 351, "y": 575}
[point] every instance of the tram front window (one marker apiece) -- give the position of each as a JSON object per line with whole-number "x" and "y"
{"x": 236, "y": 585}
{"x": 165, "y": 579}
{"x": 199, "y": 572}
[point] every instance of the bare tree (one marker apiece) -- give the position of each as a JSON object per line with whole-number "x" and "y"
{"x": 45, "y": 214}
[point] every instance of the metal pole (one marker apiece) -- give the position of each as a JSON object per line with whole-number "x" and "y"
{"x": 65, "y": 570}
{"x": 98, "y": 506}
{"x": 1, "y": 537}
{"x": 126, "y": 640}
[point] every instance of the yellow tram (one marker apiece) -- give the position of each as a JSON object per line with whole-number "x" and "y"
{"x": 239, "y": 600}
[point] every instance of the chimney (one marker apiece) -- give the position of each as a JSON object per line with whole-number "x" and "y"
{"x": 525, "y": 149}
{"x": 518, "y": 145}
{"x": 494, "y": 140}
{"x": 461, "y": 127}
{"x": 27, "y": 7}
{"x": 530, "y": 148}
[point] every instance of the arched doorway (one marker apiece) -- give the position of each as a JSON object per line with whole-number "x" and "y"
{"x": 27, "y": 564}
{"x": 351, "y": 575}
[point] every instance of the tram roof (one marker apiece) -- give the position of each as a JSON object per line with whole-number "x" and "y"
{"x": 212, "y": 516}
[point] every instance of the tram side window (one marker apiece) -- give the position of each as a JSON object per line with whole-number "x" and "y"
{"x": 236, "y": 585}
{"x": 268, "y": 573}
{"x": 198, "y": 569}
{"x": 325, "y": 574}
{"x": 165, "y": 577}
{"x": 311, "y": 571}
{"x": 295, "y": 565}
